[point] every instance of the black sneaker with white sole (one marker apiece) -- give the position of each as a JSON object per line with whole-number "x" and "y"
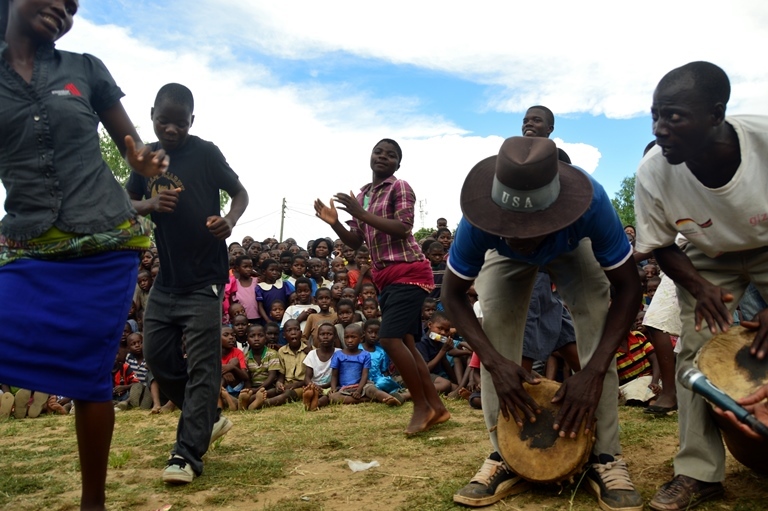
{"x": 608, "y": 479}
{"x": 493, "y": 482}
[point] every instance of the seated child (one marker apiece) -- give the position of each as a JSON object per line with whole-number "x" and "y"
{"x": 139, "y": 395}
{"x": 274, "y": 336}
{"x": 304, "y": 306}
{"x": 290, "y": 380}
{"x": 638, "y": 370}
{"x": 143, "y": 285}
{"x": 317, "y": 371}
{"x": 379, "y": 374}
{"x": 263, "y": 367}
{"x": 234, "y": 371}
{"x": 427, "y": 309}
{"x": 122, "y": 379}
{"x": 436, "y": 255}
{"x": 651, "y": 285}
{"x": 346, "y": 316}
{"x": 434, "y": 347}
{"x": 471, "y": 392}
{"x": 323, "y": 301}
{"x": 362, "y": 274}
{"x": 350, "y": 368}
{"x": 240, "y": 331}
{"x": 371, "y": 309}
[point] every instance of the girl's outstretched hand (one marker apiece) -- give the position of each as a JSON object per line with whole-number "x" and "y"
{"x": 349, "y": 204}
{"x": 144, "y": 161}
{"x": 327, "y": 214}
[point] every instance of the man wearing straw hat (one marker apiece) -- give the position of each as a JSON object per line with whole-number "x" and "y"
{"x": 706, "y": 179}
{"x": 523, "y": 209}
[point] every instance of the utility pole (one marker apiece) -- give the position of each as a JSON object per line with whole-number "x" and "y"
{"x": 282, "y": 220}
{"x": 422, "y": 211}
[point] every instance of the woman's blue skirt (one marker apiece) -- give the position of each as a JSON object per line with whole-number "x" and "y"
{"x": 61, "y": 321}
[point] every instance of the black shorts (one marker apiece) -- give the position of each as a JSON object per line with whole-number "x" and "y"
{"x": 401, "y": 311}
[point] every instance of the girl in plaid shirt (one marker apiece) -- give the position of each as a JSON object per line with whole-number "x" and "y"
{"x": 382, "y": 217}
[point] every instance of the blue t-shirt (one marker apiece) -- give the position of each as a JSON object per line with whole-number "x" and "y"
{"x": 379, "y": 371}
{"x": 350, "y": 366}
{"x": 599, "y": 223}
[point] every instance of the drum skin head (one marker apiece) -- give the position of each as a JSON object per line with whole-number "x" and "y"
{"x": 726, "y": 361}
{"x": 535, "y": 452}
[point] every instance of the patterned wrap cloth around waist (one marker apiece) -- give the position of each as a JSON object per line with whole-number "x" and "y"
{"x": 417, "y": 273}
{"x": 54, "y": 244}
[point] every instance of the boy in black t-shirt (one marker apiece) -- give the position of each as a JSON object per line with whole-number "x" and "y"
{"x": 186, "y": 297}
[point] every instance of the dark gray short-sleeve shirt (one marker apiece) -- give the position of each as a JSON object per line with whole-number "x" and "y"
{"x": 50, "y": 160}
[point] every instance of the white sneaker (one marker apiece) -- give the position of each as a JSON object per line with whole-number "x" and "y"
{"x": 220, "y": 428}
{"x": 178, "y": 471}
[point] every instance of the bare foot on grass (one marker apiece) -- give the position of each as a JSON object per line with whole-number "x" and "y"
{"x": 244, "y": 399}
{"x": 228, "y": 400}
{"x": 391, "y": 401}
{"x": 258, "y": 401}
{"x": 420, "y": 421}
{"x": 306, "y": 397}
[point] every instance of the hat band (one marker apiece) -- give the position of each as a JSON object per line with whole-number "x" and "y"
{"x": 525, "y": 201}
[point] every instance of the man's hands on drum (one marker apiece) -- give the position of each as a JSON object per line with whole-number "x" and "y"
{"x": 755, "y": 404}
{"x": 710, "y": 307}
{"x": 514, "y": 401}
{"x": 759, "y": 346}
{"x": 579, "y": 396}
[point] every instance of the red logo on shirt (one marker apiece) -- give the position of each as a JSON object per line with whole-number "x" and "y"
{"x": 72, "y": 89}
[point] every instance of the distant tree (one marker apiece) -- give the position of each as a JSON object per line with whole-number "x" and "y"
{"x": 120, "y": 168}
{"x": 624, "y": 201}
{"x": 114, "y": 159}
{"x": 422, "y": 233}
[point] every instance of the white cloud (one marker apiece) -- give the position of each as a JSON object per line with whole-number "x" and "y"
{"x": 584, "y": 155}
{"x": 599, "y": 56}
{"x": 288, "y": 141}
{"x": 304, "y": 141}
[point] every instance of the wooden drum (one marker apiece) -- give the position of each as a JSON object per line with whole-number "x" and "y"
{"x": 725, "y": 360}
{"x": 535, "y": 451}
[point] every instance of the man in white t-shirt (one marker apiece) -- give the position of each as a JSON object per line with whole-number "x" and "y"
{"x": 707, "y": 180}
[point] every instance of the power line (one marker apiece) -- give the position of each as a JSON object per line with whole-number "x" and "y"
{"x": 259, "y": 218}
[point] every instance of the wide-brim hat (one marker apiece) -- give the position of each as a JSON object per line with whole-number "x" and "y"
{"x": 524, "y": 191}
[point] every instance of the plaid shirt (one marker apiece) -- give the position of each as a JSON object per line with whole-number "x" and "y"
{"x": 393, "y": 199}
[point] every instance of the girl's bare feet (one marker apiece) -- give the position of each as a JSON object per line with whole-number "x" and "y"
{"x": 420, "y": 421}
{"x": 464, "y": 393}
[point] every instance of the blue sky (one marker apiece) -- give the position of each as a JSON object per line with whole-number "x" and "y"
{"x": 297, "y": 93}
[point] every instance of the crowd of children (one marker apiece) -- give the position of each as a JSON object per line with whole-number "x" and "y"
{"x": 303, "y": 325}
